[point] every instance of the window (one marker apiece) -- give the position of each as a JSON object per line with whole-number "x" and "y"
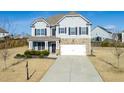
{"x": 43, "y": 31}
{"x": 83, "y": 30}
{"x": 62, "y": 30}
{"x": 37, "y": 32}
{"x": 40, "y": 32}
{"x": 72, "y": 30}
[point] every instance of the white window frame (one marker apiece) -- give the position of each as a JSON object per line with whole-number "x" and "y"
{"x": 37, "y": 31}
{"x": 83, "y": 31}
{"x": 40, "y": 33}
{"x": 73, "y": 29}
{"x": 62, "y": 30}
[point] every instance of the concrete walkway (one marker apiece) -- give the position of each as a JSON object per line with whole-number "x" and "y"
{"x": 72, "y": 69}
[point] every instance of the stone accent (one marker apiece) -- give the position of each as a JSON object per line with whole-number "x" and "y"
{"x": 57, "y": 51}
{"x": 86, "y": 41}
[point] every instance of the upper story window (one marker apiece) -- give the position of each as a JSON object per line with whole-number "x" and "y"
{"x": 83, "y": 30}
{"x": 62, "y": 30}
{"x": 37, "y": 32}
{"x": 40, "y": 32}
{"x": 43, "y": 31}
{"x": 72, "y": 30}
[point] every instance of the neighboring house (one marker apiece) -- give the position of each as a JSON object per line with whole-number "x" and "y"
{"x": 3, "y": 33}
{"x": 64, "y": 34}
{"x": 100, "y": 34}
{"x": 122, "y": 36}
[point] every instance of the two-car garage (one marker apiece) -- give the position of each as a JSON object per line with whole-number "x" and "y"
{"x": 73, "y": 50}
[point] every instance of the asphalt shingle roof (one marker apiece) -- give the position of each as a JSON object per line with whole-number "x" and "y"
{"x": 54, "y": 19}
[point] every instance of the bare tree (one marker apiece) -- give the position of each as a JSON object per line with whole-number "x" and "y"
{"x": 118, "y": 51}
{"x": 5, "y": 23}
{"x": 5, "y": 56}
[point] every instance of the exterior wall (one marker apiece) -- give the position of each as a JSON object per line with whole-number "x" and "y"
{"x": 40, "y": 25}
{"x": 122, "y": 37}
{"x": 80, "y": 41}
{"x": 101, "y": 33}
{"x": 72, "y": 22}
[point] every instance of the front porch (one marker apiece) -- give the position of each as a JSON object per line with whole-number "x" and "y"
{"x": 44, "y": 43}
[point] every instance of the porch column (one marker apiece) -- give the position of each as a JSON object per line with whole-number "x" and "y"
{"x": 57, "y": 48}
{"x": 57, "y": 44}
{"x": 30, "y": 45}
{"x": 46, "y": 45}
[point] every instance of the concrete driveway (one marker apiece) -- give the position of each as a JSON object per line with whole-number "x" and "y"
{"x": 72, "y": 69}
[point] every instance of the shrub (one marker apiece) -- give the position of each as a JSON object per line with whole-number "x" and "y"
{"x": 45, "y": 52}
{"x": 19, "y": 56}
{"x": 41, "y": 56}
{"x": 28, "y": 56}
{"x": 23, "y": 56}
{"x": 37, "y": 53}
{"x": 27, "y": 52}
{"x": 32, "y": 52}
{"x": 105, "y": 44}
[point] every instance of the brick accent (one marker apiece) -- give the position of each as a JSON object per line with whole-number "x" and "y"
{"x": 86, "y": 41}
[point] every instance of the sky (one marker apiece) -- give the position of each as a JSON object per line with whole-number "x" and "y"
{"x": 21, "y": 20}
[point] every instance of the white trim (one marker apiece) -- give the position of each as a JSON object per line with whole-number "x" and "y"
{"x": 36, "y": 20}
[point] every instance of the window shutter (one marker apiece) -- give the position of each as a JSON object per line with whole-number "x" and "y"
{"x": 87, "y": 30}
{"x": 59, "y": 30}
{"x": 35, "y": 32}
{"x": 45, "y": 31}
{"x": 79, "y": 30}
{"x": 65, "y": 30}
{"x": 69, "y": 30}
{"x": 76, "y": 30}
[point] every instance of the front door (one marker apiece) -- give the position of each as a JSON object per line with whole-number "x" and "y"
{"x": 53, "y": 48}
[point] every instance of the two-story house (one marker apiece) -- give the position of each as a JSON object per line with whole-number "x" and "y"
{"x": 64, "y": 34}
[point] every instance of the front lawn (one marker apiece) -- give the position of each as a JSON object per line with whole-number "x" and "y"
{"x": 16, "y": 71}
{"x": 105, "y": 63}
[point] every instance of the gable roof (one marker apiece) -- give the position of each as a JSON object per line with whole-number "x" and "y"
{"x": 39, "y": 20}
{"x": 103, "y": 29}
{"x": 3, "y": 31}
{"x": 54, "y": 19}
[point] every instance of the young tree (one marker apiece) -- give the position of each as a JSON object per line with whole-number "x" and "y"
{"x": 6, "y": 24}
{"x": 5, "y": 55}
{"x": 118, "y": 51}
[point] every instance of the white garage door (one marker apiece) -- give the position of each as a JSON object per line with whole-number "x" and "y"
{"x": 73, "y": 49}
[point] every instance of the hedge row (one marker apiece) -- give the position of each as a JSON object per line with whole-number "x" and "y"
{"x": 33, "y": 53}
{"x": 107, "y": 44}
